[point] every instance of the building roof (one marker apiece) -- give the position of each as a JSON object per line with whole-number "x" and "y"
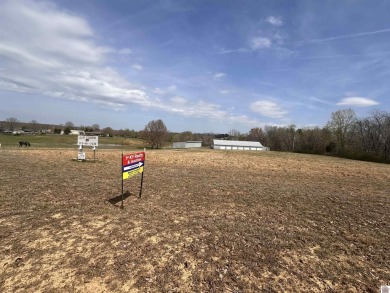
{"x": 237, "y": 143}
{"x": 188, "y": 141}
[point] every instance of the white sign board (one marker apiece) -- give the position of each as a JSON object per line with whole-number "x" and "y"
{"x": 81, "y": 156}
{"x": 88, "y": 140}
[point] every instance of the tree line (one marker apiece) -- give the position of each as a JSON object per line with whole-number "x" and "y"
{"x": 344, "y": 135}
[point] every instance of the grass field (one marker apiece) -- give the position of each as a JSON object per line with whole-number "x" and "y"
{"x": 208, "y": 221}
{"x": 66, "y": 141}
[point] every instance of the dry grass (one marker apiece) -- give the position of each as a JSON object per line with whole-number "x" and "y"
{"x": 208, "y": 221}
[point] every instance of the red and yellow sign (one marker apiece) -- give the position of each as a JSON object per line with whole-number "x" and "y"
{"x": 133, "y": 158}
{"x": 132, "y": 164}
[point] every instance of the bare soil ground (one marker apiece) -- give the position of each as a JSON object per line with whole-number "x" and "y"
{"x": 208, "y": 221}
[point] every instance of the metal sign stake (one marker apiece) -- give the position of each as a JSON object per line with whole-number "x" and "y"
{"x": 122, "y": 179}
{"x": 142, "y": 175}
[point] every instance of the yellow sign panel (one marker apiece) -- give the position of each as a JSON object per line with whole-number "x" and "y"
{"x": 128, "y": 174}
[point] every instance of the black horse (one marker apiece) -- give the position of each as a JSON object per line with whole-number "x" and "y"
{"x": 24, "y": 143}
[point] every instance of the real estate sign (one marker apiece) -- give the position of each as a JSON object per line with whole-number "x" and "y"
{"x": 132, "y": 164}
{"x": 88, "y": 140}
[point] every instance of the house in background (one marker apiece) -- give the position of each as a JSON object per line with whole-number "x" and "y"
{"x": 76, "y": 132}
{"x": 18, "y": 132}
{"x": 219, "y": 144}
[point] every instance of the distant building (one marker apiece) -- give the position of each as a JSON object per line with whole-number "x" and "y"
{"x": 187, "y": 144}
{"x": 219, "y": 144}
{"x": 76, "y": 132}
{"x": 28, "y": 131}
{"x": 45, "y": 131}
{"x": 17, "y": 132}
{"x": 94, "y": 133}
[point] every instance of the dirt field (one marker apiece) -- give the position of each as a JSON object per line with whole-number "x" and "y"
{"x": 208, "y": 221}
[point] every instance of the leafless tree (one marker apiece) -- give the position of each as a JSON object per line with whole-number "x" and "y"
{"x": 155, "y": 133}
{"x": 184, "y": 136}
{"x": 108, "y": 131}
{"x": 12, "y": 123}
{"x": 235, "y": 134}
{"x": 274, "y": 141}
{"x": 257, "y": 134}
{"x": 372, "y": 135}
{"x": 34, "y": 125}
{"x": 341, "y": 124}
{"x": 69, "y": 124}
{"x": 312, "y": 140}
{"x": 287, "y": 137}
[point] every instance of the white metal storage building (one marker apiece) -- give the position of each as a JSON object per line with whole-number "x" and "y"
{"x": 238, "y": 145}
{"x": 187, "y": 144}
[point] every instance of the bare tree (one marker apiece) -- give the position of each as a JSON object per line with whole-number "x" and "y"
{"x": 108, "y": 131}
{"x": 234, "y": 133}
{"x": 95, "y": 126}
{"x": 257, "y": 134}
{"x": 127, "y": 133}
{"x": 185, "y": 136}
{"x": 372, "y": 135}
{"x": 386, "y": 137}
{"x": 34, "y": 125}
{"x": 274, "y": 141}
{"x": 341, "y": 124}
{"x": 287, "y": 137}
{"x": 12, "y": 123}
{"x": 312, "y": 140}
{"x": 69, "y": 124}
{"x": 155, "y": 133}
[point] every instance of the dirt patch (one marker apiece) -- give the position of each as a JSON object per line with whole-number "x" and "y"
{"x": 208, "y": 221}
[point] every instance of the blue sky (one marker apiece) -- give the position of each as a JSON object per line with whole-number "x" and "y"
{"x": 203, "y": 66}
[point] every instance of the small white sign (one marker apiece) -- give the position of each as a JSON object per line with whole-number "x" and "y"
{"x": 88, "y": 140}
{"x": 81, "y": 156}
{"x": 385, "y": 289}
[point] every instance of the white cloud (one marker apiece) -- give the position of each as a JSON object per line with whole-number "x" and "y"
{"x": 357, "y": 101}
{"x": 125, "y": 51}
{"x": 198, "y": 109}
{"x": 172, "y": 88}
{"x": 167, "y": 90}
{"x": 137, "y": 67}
{"x": 275, "y": 20}
{"x": 260, "y": 43}
{"x": 268, "y": 109}
{"x": 229, "y": 51}
{"x": 278, "y": 39}
{"x": 37, "y": 29}
{"x": 243, "y": 119}
{"x": 178, "y": 100}
{"x": 201, "y": 109}
{"x": 219, "y": 75}
{"x": 158, "y": 91}
{"x": 350, "y": 36}
{"x": 321, "y": 101}
{"x": 49, "y": 52}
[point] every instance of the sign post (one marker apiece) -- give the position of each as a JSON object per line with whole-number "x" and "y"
{"x": 94, "y": 152}
{"x": 122, "y": 180}
{"x": 132, "y": 165}
{"x": 81, "y": 154}
{"x": 83, "y": 140}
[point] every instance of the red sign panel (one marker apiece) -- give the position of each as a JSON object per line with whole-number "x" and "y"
{"x": 133, "y": 158}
